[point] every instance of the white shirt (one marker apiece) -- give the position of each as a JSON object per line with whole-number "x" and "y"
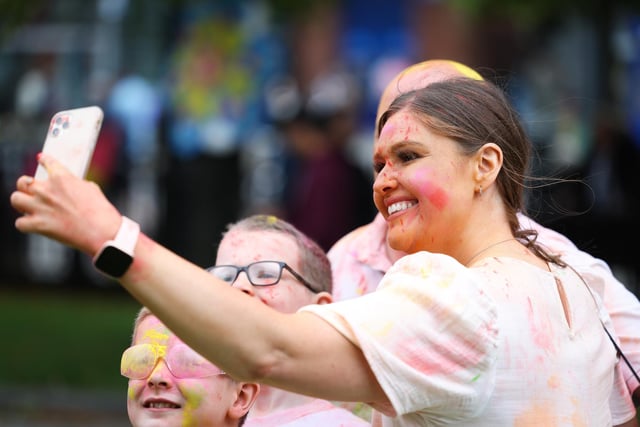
{"x": 486, "y": 346}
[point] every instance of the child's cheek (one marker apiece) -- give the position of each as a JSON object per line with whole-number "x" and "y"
{"x": 194, "y": 396}
{"x": 134, "y": 389}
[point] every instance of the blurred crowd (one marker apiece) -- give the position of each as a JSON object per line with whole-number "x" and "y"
{"x": 217, "y": 110}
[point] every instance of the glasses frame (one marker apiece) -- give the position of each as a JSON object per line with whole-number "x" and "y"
{"x": 164, "y": 356}
{"x": 281, "y": 264}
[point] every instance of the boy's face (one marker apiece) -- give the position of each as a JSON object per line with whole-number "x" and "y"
{"x": 241, "y": 248}
{"x": 163, "y": 400}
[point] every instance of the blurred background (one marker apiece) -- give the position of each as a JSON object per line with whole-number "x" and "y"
{"x": 218, "y": 109}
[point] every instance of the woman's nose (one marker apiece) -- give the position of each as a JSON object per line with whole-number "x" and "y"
{"x": 384, "y": 181}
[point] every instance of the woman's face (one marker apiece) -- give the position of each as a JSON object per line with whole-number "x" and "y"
{"x": 423, "y": 186}
{"x": 162, "y": 400}
{"x": 241, "y": 247}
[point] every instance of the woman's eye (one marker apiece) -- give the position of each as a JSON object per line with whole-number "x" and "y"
{"x": 377, "y": 167}
{"x": 407, "y": 156}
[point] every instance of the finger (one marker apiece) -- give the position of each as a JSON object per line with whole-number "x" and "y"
{"x": 52, "y": 166}
{"x": 20, "y": 201}
{"x": 24, "y": 183}
{"x": 24, "y": 223}
{"x": 31, "y": 224}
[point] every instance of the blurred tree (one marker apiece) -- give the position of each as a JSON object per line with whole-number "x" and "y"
{"x": 15, "y": 13}
{"x": 538, "y": 20}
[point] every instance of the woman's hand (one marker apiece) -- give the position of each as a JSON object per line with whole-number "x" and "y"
{"x": 65, "y": 208}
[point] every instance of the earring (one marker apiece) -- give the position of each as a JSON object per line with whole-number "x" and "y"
{"x": 480, "y": 190}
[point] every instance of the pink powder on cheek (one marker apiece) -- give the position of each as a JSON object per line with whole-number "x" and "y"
{"x": 269, "y": 295}
{"x": 434, "y": 193}
{"x": 437, "y": 196}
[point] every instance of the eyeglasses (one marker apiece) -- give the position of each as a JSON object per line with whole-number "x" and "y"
{"x": 260, "y": 273}
{"x": 139, "y": 361}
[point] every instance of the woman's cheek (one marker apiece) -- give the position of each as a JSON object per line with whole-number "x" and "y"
{"x": 427, "y": 188}
{"x": 439, "y": 197}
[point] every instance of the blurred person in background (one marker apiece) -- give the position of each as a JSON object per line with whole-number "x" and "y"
{"x": 170, "y": 385}
{"x": 315, "y": 106}
{"x": 135, "y": 104}
{"x": 611, "y": 200}
{"x": 43, "y": 261}
{"x": 212, "y": 108}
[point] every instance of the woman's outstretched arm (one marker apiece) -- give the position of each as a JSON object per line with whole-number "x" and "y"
{"x": 250, "y": 341}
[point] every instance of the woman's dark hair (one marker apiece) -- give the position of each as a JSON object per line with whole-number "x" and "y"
{"x": 473, "y": 113}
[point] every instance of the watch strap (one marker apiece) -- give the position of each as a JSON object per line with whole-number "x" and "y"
{"x": 115, "y": 256}
{"x": 127, "y": 236}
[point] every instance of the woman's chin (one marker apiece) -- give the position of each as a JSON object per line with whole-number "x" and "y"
{"x": 398, "y": 242}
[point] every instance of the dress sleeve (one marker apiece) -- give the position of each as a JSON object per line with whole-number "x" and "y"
{"x": 429, "y": 334}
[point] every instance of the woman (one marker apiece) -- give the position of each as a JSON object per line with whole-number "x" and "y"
{"x": 478, "y": 326}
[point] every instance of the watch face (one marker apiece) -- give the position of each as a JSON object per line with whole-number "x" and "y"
{"x": 113, "y": 261}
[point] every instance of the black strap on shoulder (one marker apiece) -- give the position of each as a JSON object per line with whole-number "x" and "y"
{"x": 636, "y": 395}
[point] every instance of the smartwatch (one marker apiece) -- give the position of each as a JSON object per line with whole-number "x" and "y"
{"x": 115, "y": 257}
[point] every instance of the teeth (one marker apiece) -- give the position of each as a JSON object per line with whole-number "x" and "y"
{"x": 161, "y": 405}
{"x": 400, "y": 206}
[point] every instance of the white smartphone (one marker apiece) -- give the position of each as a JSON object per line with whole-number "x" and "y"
{"x": 71, "y": 139}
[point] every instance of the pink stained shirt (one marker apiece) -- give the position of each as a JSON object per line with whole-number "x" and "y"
{"x": 359, "y": 261}
{"x": 481, "y": 346}
{"x": 314, "y": 414}
{"x": 621, "y": 304}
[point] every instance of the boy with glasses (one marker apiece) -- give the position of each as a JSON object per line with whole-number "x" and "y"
{"x": 271, "y": 260}
{"x": 170, "y": 385}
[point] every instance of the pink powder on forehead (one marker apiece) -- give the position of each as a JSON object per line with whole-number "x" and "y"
{"x": 235, "y": 240}
{"x": 409, "y": 128}
{"x": 388, "y": 128}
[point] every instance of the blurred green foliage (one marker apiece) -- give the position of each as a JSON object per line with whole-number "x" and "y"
{"x": 529, "y": 14}
{"x": 64, "y": 338}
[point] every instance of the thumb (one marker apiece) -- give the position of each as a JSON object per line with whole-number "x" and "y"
{"x": 52, "y": 166}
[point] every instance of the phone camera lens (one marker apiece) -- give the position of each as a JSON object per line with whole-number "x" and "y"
{"x": 65, "y": 125}
{"x": 58, "y": 120}
{"x": 55, "y": 131}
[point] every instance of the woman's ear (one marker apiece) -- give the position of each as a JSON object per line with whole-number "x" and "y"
{"x": 488, "y": 164}
{"x": 247, "y": 394}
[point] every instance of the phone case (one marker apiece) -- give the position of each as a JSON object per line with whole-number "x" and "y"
{"x": 71, "y": 139}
